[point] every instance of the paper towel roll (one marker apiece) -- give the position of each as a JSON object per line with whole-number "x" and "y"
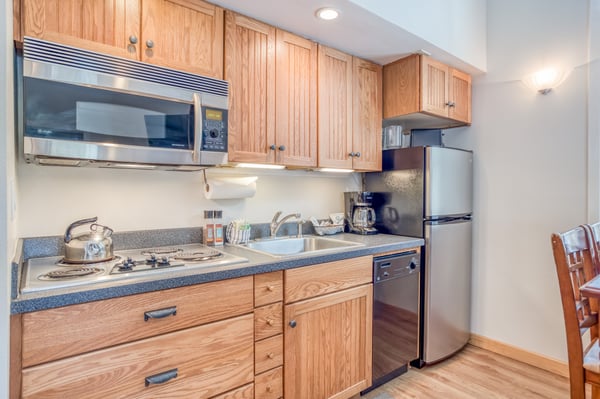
{"x": 230, "y": 187}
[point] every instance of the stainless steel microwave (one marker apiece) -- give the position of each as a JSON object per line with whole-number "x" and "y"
{"x": 82, "y": 108}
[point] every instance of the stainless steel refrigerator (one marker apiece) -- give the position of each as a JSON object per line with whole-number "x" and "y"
{"x": 427, "y": 192}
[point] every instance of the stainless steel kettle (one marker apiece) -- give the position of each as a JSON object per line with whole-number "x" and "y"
{"x": 91, "y": 246}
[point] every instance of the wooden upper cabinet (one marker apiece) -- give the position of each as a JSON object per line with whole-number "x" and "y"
{"x": 349, "y": 111}
{"x": 459, "y": 92}
{"x": 183, "y": 34}
{"x": 250, "y": 70}
{"x": 420, "y": 92}
{"x": 103, "y": 26}
{"x": 367, "y": 115}
{"x": 335, "y": 108}
{"x": 296, "y": 100}
{"x": 434, "y": 86}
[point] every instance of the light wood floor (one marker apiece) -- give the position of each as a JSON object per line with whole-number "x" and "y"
{"x": 475, "y": 373}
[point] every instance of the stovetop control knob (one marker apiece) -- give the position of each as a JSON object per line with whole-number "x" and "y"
{"x": 163, "y": 261}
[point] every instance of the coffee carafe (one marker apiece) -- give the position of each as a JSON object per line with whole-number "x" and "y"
{"x": 359, "y": 214}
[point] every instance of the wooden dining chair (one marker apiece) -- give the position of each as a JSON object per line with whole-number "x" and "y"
{"x": 573, "y": 251}
{"x": 593, "y": 235}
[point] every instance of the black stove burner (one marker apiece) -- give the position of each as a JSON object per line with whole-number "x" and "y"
{"x": 68, "y": 263}
{"x": 69, "y": 273}
{"x": 161, "y": 251}
{"x": 198, "y": 256}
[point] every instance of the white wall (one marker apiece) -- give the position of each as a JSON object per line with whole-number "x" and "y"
{"x": 7, "y": 181}
{"x": 530, "y": 169}
{"x": 456, "y": 26}
{"x": 125, "y": 200}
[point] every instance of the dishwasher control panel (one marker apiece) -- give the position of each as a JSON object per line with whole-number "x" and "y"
{"x": 395, "y": 265}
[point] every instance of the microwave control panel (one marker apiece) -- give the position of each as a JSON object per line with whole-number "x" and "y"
{"x": 214, "y": 129}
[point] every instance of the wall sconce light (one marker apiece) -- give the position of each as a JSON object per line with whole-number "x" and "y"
{"x": 545, "y": 80}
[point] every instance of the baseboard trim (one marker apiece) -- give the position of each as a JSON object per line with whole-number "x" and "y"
{"x": 513, "y": 352}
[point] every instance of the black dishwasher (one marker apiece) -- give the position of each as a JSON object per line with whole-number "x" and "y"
{"x": 396, "y": 288}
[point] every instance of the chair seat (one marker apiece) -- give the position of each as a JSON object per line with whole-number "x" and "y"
{"x": 591, "y": 358}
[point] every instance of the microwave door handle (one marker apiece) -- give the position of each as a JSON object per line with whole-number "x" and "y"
{"x": 197, "y": 128}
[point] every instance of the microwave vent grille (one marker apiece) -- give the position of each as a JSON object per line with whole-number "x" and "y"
{"x": 54, "y": 53}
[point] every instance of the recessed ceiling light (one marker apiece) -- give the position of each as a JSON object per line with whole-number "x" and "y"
{"x": 327, "y": 13}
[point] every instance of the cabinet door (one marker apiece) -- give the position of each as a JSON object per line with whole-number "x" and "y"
{"x": 366, "y": 130}
{"x": 434, "y": 86}
{"x": 459, "y": 92}
{"x": 328, "y": 345}
{"x": 250, "y": 70}
{"x": 102, "y": 26}
{"x": 183, "y": 34}
{"x": 335, "y": 108}
{"x": 296, "y": 100}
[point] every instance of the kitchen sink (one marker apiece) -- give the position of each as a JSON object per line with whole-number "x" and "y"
{"x": 298, "y": 245}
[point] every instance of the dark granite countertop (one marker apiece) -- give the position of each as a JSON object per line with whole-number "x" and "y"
{"x": 257, "y": 263}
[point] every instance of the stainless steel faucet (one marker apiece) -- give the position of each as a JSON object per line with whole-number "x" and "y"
{"x": 275, "y": 225}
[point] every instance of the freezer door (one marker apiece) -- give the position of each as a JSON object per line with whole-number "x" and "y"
{"x": 447, "y": 294}
{"x": 448, "y": 182}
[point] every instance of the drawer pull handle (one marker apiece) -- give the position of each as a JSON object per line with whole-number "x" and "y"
{"x": 160, "y": 313}
{"x": 270, "y": 322}
{"x": 270, "y": 355}
{"x": 161, "y": 378}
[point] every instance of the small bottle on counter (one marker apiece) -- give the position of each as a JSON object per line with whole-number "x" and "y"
{"x": 208, "y": 231}
{"x": 218, "y": 220}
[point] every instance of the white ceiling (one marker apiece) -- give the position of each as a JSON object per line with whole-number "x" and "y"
{"x": 357, "y": 31}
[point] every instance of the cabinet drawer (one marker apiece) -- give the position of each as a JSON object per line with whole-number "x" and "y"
{"x": 268, "y": 321}
{"x": 268, "y": 288}
{"x": 269, "y": 385}
{"x": 324, "y": 278}
{"x": 268, "y": 354}
{"x": 209, "y": 360}
{"x": 57, "y": 333}
{"x": 245, "y": 392}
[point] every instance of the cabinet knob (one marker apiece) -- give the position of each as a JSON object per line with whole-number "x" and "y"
{"x": 281, "y": 148}
{"x": 149, "y": 43}
{"x": 270, "y": 355}
{"x": 357, "y": 154}
{"x": 451, "y": 104}
{"x": 293, "y": 323}
{"x": 352, "y": 154}
{"x": 133, "y": 39}
{"x": 269, "y": 388}
{"x": 270, "y": 322}
{"x": 270, "y": 288}
{"x": 273, "y": 147}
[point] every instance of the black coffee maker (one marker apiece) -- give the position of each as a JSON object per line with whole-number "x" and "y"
{"x": 359, "y": 214}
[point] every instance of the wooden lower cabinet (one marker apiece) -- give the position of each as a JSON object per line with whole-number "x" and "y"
{"x": 198, "y": 362}
{"x": 328, "y": 335}
{"x": 310, "y": 327}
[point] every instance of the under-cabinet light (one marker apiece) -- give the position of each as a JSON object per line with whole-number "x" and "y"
{"x": 259, "y": 166}
{"x": 333, "y": 170}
